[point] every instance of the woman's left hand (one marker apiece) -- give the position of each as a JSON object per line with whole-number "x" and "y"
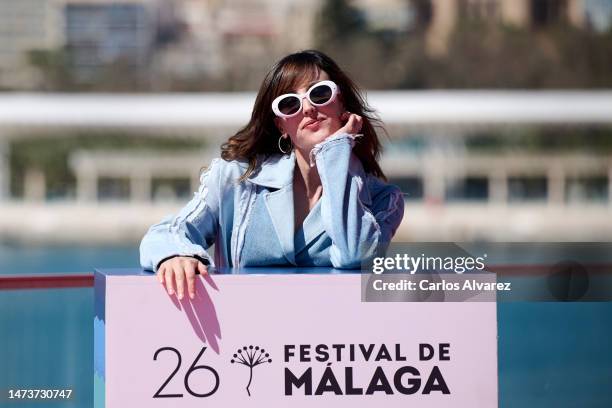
{"x": 352, "y": 125}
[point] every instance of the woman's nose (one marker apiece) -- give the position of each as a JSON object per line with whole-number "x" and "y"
{"x": 307, "y": 108}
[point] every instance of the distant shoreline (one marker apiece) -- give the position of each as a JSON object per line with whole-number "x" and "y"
{"x": 124, "y": 223}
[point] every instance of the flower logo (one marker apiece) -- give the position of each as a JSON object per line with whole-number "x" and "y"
{"x": 251, "y": 357}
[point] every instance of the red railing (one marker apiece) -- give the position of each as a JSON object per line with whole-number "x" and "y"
{"x": 84, "y": 280}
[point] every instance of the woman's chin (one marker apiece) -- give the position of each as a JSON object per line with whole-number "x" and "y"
{"x": 317, "y": 136}
{"x": 309, "y": 138}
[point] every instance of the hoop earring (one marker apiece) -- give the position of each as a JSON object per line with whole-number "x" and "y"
{"x": 280, "y": 147}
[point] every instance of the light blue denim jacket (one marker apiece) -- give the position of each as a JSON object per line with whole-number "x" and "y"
{"x": 251, "y": 222}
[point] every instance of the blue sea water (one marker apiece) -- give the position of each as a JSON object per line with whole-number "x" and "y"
{"x": 17, "y": 260}
{"x": 46, "y": 335}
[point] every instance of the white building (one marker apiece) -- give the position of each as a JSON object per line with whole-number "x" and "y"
{"x": 26, "y": 25}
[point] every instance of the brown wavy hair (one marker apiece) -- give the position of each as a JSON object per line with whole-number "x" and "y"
{"x": 259, "y": 138}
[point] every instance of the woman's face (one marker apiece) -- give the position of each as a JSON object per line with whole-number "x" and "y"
{"x": 314, "y": 123}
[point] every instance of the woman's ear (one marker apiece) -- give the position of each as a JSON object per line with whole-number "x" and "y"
{"x": 279, "y": 125}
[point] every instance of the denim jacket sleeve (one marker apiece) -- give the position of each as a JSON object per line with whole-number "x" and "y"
{"x": 358, "y": 222}
{"x": 191, "y": 231}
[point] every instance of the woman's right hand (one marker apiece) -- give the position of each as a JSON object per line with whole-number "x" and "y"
{"x": 352, "y": 123}
{"x": 176, "y": 271}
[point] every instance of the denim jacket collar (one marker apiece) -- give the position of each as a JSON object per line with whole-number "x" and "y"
{"x": 275, "y": 171}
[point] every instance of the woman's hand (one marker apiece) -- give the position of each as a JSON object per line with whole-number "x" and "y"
{"x": 352, "y": 123}
{"x": 175, "y": 271}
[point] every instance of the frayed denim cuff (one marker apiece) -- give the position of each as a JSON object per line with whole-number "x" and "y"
{"x": 331, "y": 140}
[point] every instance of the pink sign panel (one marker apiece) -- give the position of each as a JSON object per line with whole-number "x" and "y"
{"x": 287, "y": 341}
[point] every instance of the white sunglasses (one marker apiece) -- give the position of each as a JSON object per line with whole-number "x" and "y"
{"x": 320, "y": 94}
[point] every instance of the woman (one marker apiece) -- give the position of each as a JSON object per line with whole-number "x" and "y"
{"x": 298, "y": 185}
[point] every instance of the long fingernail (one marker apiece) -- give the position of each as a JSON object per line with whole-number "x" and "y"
{"x": 170, "y": 291}
{"x": 180, "y": 296}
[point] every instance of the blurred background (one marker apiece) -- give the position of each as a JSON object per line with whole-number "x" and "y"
{"x": 498, "y": 112}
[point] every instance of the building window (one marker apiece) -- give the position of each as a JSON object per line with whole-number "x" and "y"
{"x": 545, "y": 12}
{"x": 113, "y": 189}
{"x": 530, "y": 188}
{"x": 419, "y": 14}
{"x": 468, "y": 189}
{"x": 170, "y": 189}
{"x": 587, "y": 189}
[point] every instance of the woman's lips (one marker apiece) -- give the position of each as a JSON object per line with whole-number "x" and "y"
{"x": 313, "y": 125}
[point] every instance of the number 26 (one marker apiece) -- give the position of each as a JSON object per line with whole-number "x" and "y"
{"x": 193, "y": 368}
